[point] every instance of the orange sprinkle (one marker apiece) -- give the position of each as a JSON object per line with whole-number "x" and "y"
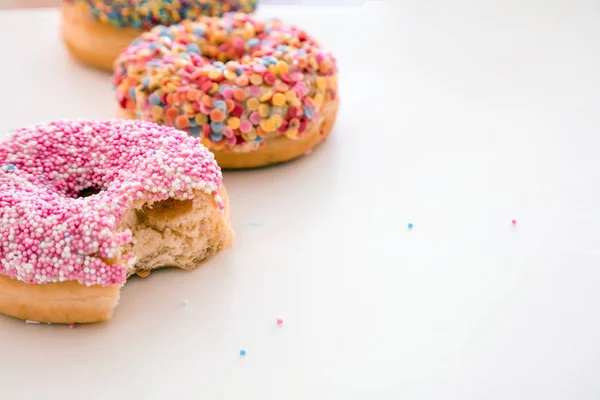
{"x": 239, "y": 94}
{"x": 281, "y": 66}
{"x": 252, "y": 104}
{"x": 278, "y": 99}
{"x": 207, "y": 101}
{"x": 267, "y": 125}
{"x": 182, "y": 122}
{"x": 241, "y": 80}
{"x": 216, "y": 115}
{"x": 260, "y": 132}
{"x": 206, "y": 142}
{"x": 281, "y": 86}
{"x": 171, "y": 113}
{"x": 290, "y": 96}
{"x": 169, "y": 98}
{"x": 230, "y": 105}
{"x": 194, "y": 94}
{"x": 233, "y": 122}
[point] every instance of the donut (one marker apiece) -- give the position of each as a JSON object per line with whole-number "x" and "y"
{"x": 97, "y": 31}
{"x": 86, "y": 204}
{"x": 254, "y": 92}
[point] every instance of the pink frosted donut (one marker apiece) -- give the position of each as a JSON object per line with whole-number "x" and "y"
{"x": 85, "y": 204}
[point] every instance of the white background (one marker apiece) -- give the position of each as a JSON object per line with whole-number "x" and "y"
{"x": 457, "y": 116}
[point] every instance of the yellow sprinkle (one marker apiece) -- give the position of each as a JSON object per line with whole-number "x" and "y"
{"x": 252, "y": 104}
{"x": 206, "y": 142}
{"x": 157, "y": 112}
{"x": 282, "y": 66}
{"x": 250, "y": 135}
{"x": 290, "y": 96}
{"x": 276, "y": 120}
{"x": 319, "y": 99}
{"x": 201, "y": 119}
{"x": 266, "y": 97}
{"x": 278, "y": 99}
{"x": 187, "y": 107}
{"x": 272, "y": 69}
{"x": 214, "y": 74}
{"x": 256, "y": 79}
{"x": 267, "y": 125}
{"x": 229, "y": 75}
{"x": 263, "y": 110}
{"x": 321, "y": 83}
{"x": 214, "y": 88}
{"x": 313, "y": 63}
{"x": 233, "y": 122}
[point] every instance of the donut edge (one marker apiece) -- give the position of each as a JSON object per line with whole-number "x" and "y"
{"x": 276, "y": 150}
{"x": 92, "y": 42}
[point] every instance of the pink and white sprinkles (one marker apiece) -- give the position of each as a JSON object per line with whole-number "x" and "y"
{"x": 49, "y": 234}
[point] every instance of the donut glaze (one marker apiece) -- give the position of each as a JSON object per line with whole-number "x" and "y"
{"x": 49, "y": 233}
{"x": 234, "y": 82}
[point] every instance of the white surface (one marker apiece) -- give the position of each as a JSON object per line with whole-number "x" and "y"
{"x": 457, "y": 118}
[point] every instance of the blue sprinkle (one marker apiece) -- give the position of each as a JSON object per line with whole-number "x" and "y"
{"x": 216, "y": 137}
{"x": 138, "y": 41}
{"x": 253, "y": 42}
{"x": 154, "y": 99}
{"x": 193, "y": 123}
{"x": 222, "y": 88}
{"x": 217, "y": 127}
{"x": 199, "y": 31}
{"x": 167, "y": 34}
{"x": 308, "y": 112}
{"x": 272, "y": 59}
{"x": 193, "y": 48}
{"x": 301, "y": 52}
{"x": 151, "y": 46}
{"x": 146, "y": 81}
{"x": 195, "y": 131}
{"x": 255, "y": 224}
{"x": 258, "y": 139}
{"x": 137, "y": 24}
{"x": 132, "y": 93}
{"x": 218, "y": 64}
{"x": 281, "y": 48}
{"x": 11, "y": 167}
{"x": 220, "y": 105}
{"x": 410, "y": 225}
{"x": 154, "y": 63}
{"x": 267, "y": 29}
{"x": 239, "y": 71}
{"x": 183, "y": 54}
{"x": 67, "y": 235}
{"x": 242, "y": 352}
{"x": 153, "y": 151}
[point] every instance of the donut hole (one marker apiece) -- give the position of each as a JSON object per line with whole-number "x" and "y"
{"x": 87, "y": 192}
{"x": 173, "y": 233}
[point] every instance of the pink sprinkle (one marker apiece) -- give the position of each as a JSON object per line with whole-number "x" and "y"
{"x": 245, "y": 126}
{"x": 71, "y": 326}
{"x": 514, "y": 221}
{"x": 279, "y": 321}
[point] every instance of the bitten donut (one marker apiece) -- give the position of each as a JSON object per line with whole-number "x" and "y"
{"x": 255, "y": 92}
{"x": 85, "y": 204}
{"x": 97, "y": 31}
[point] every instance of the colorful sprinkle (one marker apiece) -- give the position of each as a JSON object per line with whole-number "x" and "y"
{"x": 410, "y": 225}
{"x": 279, "y": 321}
{"x": 242, "y": 352}
{"x": 261, "y": 79}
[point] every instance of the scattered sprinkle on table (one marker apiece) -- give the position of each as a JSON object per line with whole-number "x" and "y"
{"x": 514, "y": 221}
{"x": 242, "y": 352}
{"x": 279, "y": 321}
{"x": 31, "y": 322}
{"x": 71, "y": 326}
{"x": 410, "y": 225}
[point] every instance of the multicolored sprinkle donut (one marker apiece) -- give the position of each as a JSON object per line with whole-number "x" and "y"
{"x": 97, "y": 31}
{"x": 85, "y": 204}
{"x": 255, "y": 93}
